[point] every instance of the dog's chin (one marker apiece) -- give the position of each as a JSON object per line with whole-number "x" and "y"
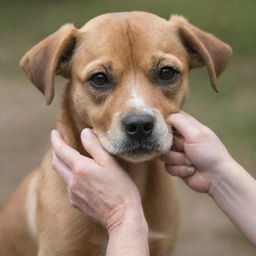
{"x": 139, "y": 157}
{"x": 136, "y": 152}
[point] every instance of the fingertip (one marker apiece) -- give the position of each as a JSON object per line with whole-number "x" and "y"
{"x": 90, "y": 140}
{"x": 180, "y": 171}
{"x": 53, "y": 136}
{"x": 53, "y": 133}
{"x": 86, "y": 132}
{"x": 190, "y": 170}
{"x": 176, "y": 116}
{"x": 56, "y": 134}
{"x": 56, "y": 138}
{"x": 87, "y": 136}
{"x": 170, "y": 117}
{"x": 92, "y": 145}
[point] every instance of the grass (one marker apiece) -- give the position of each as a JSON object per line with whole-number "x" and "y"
{"x": 231, "y": 113}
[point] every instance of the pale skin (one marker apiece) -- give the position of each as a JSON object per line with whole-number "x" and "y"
{"x": 102, "y": 190}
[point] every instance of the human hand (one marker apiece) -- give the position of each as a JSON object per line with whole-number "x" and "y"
{"x": 199, "y": 155}
{"x": 99, "y": 187}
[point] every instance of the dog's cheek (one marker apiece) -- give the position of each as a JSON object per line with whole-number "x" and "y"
{"x": 110, "y": 132}
{"x": 80, "y": 106}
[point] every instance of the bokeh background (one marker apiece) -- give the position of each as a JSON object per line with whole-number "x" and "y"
{"x": 25, "y": 120}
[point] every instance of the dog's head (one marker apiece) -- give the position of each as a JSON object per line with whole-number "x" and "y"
{"x": 127, "y": 72}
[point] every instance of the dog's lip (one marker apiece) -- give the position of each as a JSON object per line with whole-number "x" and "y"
{"x": 139, "y": 150}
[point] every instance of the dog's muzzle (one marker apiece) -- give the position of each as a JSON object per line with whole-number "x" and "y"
{"x": 137, "y": 137}
{"x": 141, "y": 138}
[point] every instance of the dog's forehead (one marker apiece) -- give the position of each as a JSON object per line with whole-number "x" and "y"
{"x": 119, "y": 18}
{"x": 117, "y": 33}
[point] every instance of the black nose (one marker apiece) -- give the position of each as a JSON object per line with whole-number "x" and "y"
{"x": 138, "y": 127}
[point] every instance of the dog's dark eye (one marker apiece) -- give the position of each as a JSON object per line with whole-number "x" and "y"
{"x": 167, "y": 74}
{"x": 99, "y": 80}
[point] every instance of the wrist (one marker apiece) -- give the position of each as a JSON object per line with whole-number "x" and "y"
{"x": 133, "y": 221}
{"x": 131, "y": 236}
{"x": 222, "y": 173}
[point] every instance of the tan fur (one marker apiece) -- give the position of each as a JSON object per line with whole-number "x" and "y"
{"x": 127, "y": 45}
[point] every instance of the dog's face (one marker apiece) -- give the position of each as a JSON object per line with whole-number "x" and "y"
{"x": 128, "y": 72}
{"x": 127, "y": 77}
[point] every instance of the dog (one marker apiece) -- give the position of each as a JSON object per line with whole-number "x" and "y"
{"x": 127, "y": 72}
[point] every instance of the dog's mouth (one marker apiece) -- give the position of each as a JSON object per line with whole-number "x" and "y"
{"x": 139, "y": 154}
{"x": 135, "y": 151}
{"x": 140, "y": 151}
{"x": 133, "y": 147}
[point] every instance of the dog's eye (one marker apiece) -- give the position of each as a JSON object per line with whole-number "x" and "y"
{"x": 99, "y": 80}
{"x": 167, "y": 74}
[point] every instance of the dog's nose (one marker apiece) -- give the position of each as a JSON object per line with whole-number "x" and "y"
{"x": 138, "y": 127}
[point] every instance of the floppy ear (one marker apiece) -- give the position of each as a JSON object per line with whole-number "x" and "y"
{"x": 203, "y": 48}
{"x": 49, "y": 57}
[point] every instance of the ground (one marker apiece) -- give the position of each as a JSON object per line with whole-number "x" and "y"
{"x": 25, "y": 125}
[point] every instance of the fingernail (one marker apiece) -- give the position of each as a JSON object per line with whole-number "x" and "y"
{"x": 191, "y": 169}
{"x": 53, "y": 133}
{"x": 86, "y": 132}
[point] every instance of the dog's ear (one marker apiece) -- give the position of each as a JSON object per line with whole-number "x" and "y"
{"x": 203, "y": 48}
{"x": 50, "y": 57}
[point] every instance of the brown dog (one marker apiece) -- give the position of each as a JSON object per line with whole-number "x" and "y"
{"x": 127, "y": 73}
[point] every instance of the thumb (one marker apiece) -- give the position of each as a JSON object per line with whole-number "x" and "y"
{"x": 92, "y": 145}
{"x": 185, "y": 126}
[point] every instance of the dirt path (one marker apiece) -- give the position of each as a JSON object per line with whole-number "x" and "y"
{"x": 25, "y": 125}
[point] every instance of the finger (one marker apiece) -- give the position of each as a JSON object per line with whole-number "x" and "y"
{"x": 175, "y": 158}
{"x": 65, "y": 153}
{"x": 192, "y": 119}
{"x": 61, "y": 168}
{"x": 180, "y": 171}
{"x": 92, "y": 145}
{"x": 178, "y": 144}
{"x": 195, "y": 121}
{"x": 185, "y": 126}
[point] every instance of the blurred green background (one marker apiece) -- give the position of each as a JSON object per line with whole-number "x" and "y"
{"x": 230, "y": 113}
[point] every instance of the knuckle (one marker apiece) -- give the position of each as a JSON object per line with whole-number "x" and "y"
{"x": 169, "y": 168}
{"x": 208, "y": 131}
{"x": 212, "y": 135}
{"x": 72, "y": 185}
{"x": 201, "y": 134}
{"x": 78, "y": 168}
{"x": 198, "y": 135}
{"x": 106, "y": 158}
{"x": 58, "y": 147}
{"x": 54, "y": 164}
{"x": 177, "y": 157}
{"x": 71, "y": 201}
